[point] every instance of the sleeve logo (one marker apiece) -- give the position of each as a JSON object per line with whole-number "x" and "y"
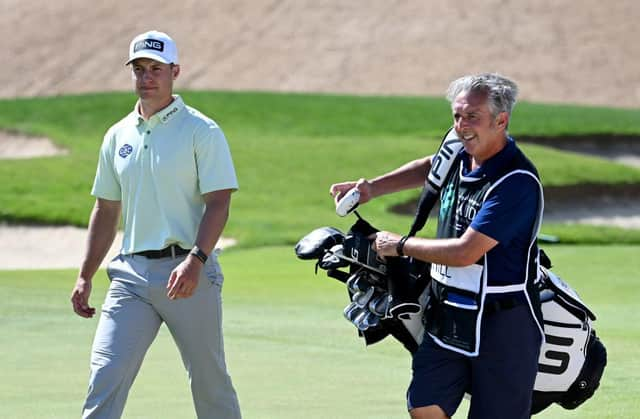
{"x": 125, "y": 150}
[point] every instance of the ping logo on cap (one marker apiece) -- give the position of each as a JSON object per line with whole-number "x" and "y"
{"x": 153, "y": 44}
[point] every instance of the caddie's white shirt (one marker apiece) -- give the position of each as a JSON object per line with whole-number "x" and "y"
{"x": 159, "y": 169}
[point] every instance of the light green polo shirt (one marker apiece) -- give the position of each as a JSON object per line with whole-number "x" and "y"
{"x": 159, "y": 170}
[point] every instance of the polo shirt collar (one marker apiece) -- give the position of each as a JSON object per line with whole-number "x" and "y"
{"x": 164, "y": 115}
{"x": 491, "y": 168}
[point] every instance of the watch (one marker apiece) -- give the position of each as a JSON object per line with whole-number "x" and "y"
{"x": 197, "y": 252}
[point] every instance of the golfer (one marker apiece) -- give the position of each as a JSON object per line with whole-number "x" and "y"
{"x": 168, "y": 170}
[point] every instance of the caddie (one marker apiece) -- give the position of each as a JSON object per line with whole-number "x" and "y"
{"x": 483, "y": 317}
{"x": 167, "y": 169}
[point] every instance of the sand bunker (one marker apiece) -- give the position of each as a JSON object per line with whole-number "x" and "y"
{"x": 19, "y": 146}
{"x": 65, "y": 250}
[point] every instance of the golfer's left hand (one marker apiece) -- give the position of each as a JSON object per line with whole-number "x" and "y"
{"x": 184, "y": 279}
{"x": 385, "y": 243}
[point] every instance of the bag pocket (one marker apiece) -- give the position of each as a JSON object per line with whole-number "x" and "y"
{"x": 453, "y": 320}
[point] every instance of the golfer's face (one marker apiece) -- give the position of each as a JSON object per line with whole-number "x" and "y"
{"x": 153, "y": 80}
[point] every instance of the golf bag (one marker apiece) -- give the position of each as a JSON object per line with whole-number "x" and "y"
{"x": 388, "y": 297}
{"x": 572, "y": 358}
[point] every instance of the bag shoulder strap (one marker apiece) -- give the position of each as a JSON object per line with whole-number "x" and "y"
{"x": 441, "y": 165}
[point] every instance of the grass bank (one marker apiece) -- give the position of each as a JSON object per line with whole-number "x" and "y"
{"x": 288, "y": 149}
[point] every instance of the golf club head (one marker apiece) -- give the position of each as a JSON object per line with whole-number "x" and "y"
{"x": 360, "y": 321}
{"x": 371, "y": 320}
{"x": 358, "y": 282}
{"x": 361, "y": 298}
{"x": 352, "y": 280}
{"x": 337, "y": 250}
{"x": 332, "y": 259}
{"x": 379, "y": 304}
{"x": 351, "y": 312}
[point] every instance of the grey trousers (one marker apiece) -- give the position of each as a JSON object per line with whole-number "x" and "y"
{"x": 134, "y": 308}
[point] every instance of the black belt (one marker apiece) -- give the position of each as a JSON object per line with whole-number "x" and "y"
{"x": 492, "y": 306}
{"x": 164, "y": 253}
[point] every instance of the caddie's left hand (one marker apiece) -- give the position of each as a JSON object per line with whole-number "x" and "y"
{"x": 385, "y": 243}
{"x": 184, "y": 279}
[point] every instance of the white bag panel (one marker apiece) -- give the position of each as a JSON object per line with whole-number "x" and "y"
{"x": 560, "y": 284}
{"x": 564, "y": 349}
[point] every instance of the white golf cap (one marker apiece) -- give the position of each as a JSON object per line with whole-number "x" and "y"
{"x": 154, "y": 45}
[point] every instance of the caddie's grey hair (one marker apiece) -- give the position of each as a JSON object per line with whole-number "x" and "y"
{"x": 501, "y": 92}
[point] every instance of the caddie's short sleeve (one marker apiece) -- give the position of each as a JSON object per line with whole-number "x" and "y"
{"x": 510, "y": 210}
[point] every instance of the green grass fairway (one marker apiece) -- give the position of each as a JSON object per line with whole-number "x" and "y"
{"x": 290, "y": 352}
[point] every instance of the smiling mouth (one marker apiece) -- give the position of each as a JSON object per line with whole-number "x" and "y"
{"x": 468, "y": 137}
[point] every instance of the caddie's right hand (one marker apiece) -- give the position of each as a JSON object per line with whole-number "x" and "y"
{"x": 80, "y": 298}
{"x": 337, "y": 190}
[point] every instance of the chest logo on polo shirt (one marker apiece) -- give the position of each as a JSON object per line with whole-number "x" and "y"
{"x": 125, "y": 150}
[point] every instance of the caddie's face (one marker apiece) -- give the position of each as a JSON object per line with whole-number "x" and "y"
{"x": 481, "y": 133}
{"x": 153, "y": 80}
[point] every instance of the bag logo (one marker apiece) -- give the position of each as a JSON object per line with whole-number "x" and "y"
{"x": 149, "y": 44}
{"x": 125, "y": 150}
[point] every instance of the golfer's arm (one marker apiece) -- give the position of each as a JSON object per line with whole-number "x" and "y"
{"x": 408, "y": 176}
{"x": 214, "y": 219}
{"x": 103, "y": 225}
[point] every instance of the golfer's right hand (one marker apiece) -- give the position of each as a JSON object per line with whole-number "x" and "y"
{"x": 80, "y": 298}
{"x": 363, "y": 186}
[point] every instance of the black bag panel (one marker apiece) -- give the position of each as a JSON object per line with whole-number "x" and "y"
{"x": 406, "y": 282}
{"x": 544, "y": 259}
{"x": 375, "y": 335}
{"x": 357, "y": 250}
{"x": 542, "y": 399}
{"x": 362, "y": 227}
